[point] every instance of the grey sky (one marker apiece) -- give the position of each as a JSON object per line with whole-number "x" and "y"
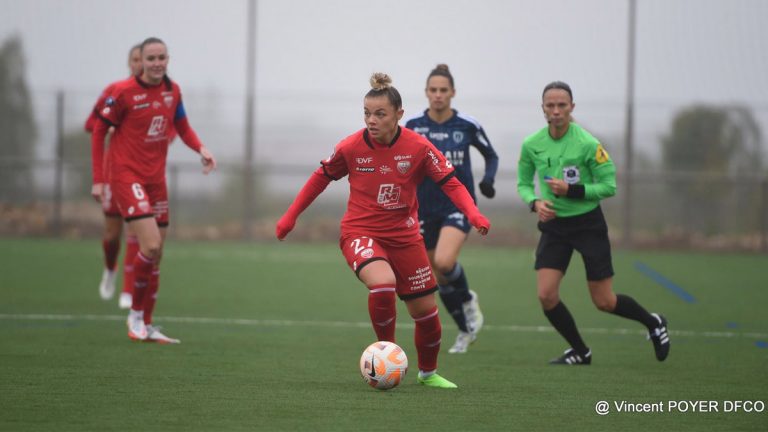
{"x": 314, "y": 59}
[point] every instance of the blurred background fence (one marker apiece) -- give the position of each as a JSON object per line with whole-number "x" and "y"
{"x": 46, "y": 192}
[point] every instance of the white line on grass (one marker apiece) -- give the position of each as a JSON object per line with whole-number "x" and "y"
{"x": 348, "y": 324}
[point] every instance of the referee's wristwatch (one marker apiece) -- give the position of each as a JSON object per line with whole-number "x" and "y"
{"x": 532, "y": 206}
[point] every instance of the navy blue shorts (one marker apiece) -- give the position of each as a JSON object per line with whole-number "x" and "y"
{"x": 430, "y": 227}
{"x": 587, "y": 233}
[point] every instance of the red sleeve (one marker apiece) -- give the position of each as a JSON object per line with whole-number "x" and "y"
{"x": 90, "y": 122}
{"x": 458, "y": 193}
{"x": 97, "y": 150}
{"x": 187, "y": 134}
{"x": 335, "y": 167}
{"x": 316, "y": 184}
{"x": 437, "y": 167}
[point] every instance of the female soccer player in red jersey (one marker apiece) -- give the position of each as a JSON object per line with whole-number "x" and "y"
{"x": 113, "y": 223}
{"x": 380, "y": 231}
{"x": 141, "y": 110}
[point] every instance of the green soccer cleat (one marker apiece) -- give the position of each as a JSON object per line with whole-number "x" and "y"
{"x": 436, "y": 380}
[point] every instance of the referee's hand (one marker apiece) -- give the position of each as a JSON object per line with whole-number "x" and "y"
{"x": 542, "y": 208}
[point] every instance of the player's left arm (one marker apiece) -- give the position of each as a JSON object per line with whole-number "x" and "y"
{"x": 603, "y": 175}
{"x": 440, "y": 170}
{"x": 190, "y": 138}
{"x": 483, "y": 144}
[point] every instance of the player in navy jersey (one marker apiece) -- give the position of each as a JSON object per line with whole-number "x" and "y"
{"x": 113, "y": 223}
{"x": 444, "y": 226}
{"x": 379, "y": 232}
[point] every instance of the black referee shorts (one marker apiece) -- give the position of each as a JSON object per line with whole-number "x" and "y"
{"x": 587, "y": 233}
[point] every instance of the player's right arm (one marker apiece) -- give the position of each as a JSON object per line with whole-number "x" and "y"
{"x": 109, "y": 115}
{"x": 333, "y": 168}
{"x": 98, "y": 136}
{"x": 314, "y": 186}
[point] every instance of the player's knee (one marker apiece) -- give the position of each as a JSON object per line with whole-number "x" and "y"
{"x": 152, "y": 250}
{"x": 605, "y": 304}
{"x": 548, "y": 300}
{"x": 444, "y": 265}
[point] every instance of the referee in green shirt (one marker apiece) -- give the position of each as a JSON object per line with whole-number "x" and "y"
{"x": 575, "y": 173}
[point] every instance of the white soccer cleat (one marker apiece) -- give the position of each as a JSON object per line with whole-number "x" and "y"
{"x": 126, "y": 300}
{"x": 136, "y": 328}
{"x": 473, "y": 315}
{"x": 154, "y": 335}
{"x": 463, "y": 340}
{"x": 107, "y": 285}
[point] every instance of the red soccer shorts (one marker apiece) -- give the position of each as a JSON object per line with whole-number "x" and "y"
{"x": 136, "y": 200}
{"x": 409, "y": 262}
{"x": 108, "y": 204}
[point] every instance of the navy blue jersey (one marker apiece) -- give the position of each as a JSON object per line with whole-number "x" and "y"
{"x": 453, "y": 138}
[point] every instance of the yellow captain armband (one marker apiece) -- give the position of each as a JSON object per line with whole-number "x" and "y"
{"x": 601, "y": 156}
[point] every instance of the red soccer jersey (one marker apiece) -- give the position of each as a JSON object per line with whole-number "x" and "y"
{"x": 383, "y": 181}
{"x": 90, "y": 124}
{"x": 142, "y": 116}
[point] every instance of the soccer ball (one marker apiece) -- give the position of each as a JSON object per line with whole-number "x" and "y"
{"x": 383, "y": 365}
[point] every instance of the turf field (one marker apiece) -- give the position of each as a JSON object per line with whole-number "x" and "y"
{"x": 272, "y": 333}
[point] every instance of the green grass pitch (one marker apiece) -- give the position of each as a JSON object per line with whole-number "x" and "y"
{"x": 272, "y": 333}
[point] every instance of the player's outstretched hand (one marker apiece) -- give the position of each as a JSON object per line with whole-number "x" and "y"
{"x": 97, "y": 190}
{"x": 284, "y": 226}
{"x": 487, "y": 189}
{"x": 207, "y": 159}
{"x": 480, "y": 222}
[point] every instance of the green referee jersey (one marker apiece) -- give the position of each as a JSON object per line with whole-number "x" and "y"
{"x": 578, "y": 158}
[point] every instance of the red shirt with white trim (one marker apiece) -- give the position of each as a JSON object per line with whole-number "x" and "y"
{"x": 143, "y": 116}
{"x": 383, "y": 180}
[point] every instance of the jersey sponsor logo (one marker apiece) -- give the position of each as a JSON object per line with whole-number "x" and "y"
{"x": 601, "y": 156}
{"x": 538, "y": 152}
{"x": 435, "y": 160}
{"x": 141, "y": 106}
{"x": 385, "y": 169}
{"x": 410, "y": 222}
{"x": 438, "y": 136}
{"x": 571, "y": 174}
{"x": 403, "y": 166}
{"x": 389, "y": 195}
{"x": 139, "y": 97}
{"x": 403, "y": 157}
{"x": 168, "y": 100}
{"x": 365, "y": 169}
{"x": 364, "y": 160}
{"x": 458, "y": 136}
{"x": 456, "y": 157}
{"x": 157, "y": 127}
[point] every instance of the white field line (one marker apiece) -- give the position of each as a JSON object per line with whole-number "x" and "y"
{"x": 348, "y": 324}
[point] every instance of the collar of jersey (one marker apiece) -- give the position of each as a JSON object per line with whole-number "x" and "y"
{"x": 166, "y": 81}
{"x": 369, "y": 142}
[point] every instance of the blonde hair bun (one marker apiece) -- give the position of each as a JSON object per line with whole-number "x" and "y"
{"x": 380, "y": 81}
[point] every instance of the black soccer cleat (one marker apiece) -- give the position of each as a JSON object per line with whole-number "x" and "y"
{"x": 660, "y": 338}
{"x": 572, "y": 358}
